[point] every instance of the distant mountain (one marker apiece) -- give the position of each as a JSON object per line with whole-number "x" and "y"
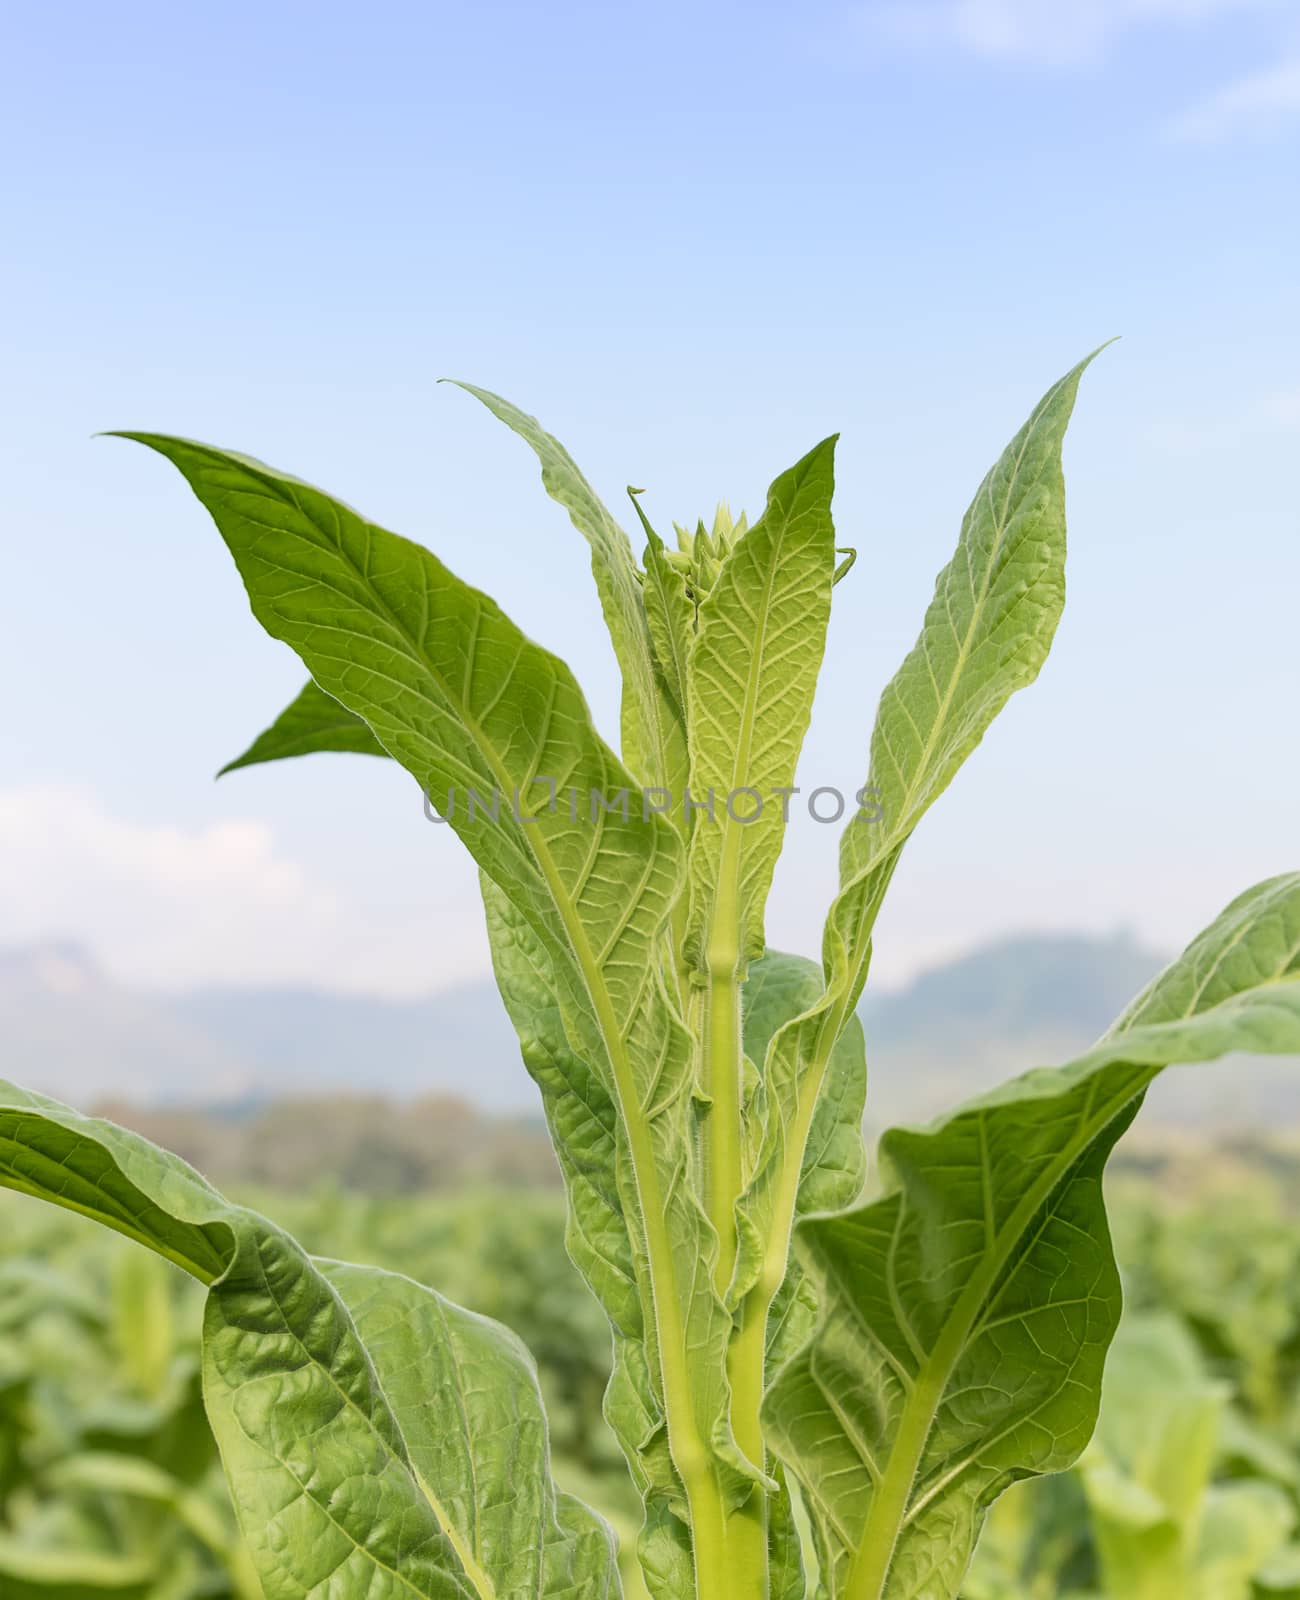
{"x": 68, "y": 1029}
{"x": 1036, "y": 1000}
{"x": 1019, "y": 1002}
{"x": 459, "y": 1041}
{"x": 1054, "y": 982}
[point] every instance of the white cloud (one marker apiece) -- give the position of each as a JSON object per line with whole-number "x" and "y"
{"x": 1049, "y": 32}
{"x": 169, "y": 907}
{"x": 1257, "y": 104}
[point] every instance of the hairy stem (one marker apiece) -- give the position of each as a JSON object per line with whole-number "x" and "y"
{"x": 748, "y": 1527}
{"x": 723, "y": 1060}
{"x": 744, "y": 1531}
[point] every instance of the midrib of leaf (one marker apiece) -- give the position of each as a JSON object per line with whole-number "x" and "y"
{"x": 464, "y": 1554}
{"x": 469, "y": 1557}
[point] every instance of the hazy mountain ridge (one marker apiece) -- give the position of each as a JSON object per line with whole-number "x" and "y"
{"x": 1036, "y": 1000}
{"x": 70, "y": 1030}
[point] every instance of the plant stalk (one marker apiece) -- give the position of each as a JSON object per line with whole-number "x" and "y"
{"x": 723, "y": 1166}
{"x": 743, "y": 1558}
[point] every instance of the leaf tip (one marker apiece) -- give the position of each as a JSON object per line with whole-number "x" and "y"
{"x": 1092, "y": 355}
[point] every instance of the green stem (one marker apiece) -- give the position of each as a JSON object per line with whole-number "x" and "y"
{"x": 737, "y": 1567}
{"x": 730, "y": 1547}
{"x": 747, "y": 1356}
{"x": 748, "y": 1527}
{"x": 723, "y": 1169}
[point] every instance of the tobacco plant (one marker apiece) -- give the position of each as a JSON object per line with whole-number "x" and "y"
{"x": 887, "y": 1364}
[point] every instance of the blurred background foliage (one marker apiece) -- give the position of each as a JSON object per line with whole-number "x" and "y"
{"x": 110, "y": 1485}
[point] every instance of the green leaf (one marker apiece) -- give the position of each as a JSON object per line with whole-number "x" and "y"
{"x": 583, "y": 1123}
{"x": 986, "y": 634}
{"x": 670, "y": 617}
{"x": 143, "y": 1321}
{"x": 464, "y": 1393}
{"x": 584, "y": 1127}
{"x": 1139, "y": 1546}
{"x": 752, "y": 674}
{"x": 377, "y": 1439}
{"x": 315, "y": 721}
{"x": 966, "y": 1313}
{"x": 653, "y": 738}
{"x": 453, "y": 690}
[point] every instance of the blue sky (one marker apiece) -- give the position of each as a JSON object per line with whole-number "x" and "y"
{"x": 694, "y": 240}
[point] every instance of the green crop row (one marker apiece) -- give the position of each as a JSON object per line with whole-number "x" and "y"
{"x": 110, "y": 1487}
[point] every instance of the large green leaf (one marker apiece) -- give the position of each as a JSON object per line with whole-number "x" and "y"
{"x": 965, "y": 1314}
{"x": 378, "y": 1440}
{"x": 653, "y": 732}
{"x": 593, "y": 1157}
{"x": 464, "y": 1392}
{"x": 479, "y": 715}
{"x": 453, "y": 690}
{"x": 583, "y": 1123}
{"x": 986, "y": 634}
